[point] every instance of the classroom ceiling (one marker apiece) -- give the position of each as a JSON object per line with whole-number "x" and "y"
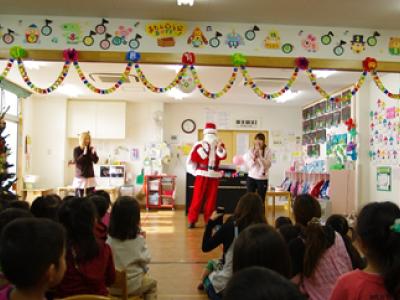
{"x": 213, "y": 78}
{"x": 382, "y": 14}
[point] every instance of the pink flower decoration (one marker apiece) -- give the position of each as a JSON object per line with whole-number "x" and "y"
{"x": 70, "y": 54}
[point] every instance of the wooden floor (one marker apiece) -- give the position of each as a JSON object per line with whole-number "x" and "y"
{"x": 177, "y": 259}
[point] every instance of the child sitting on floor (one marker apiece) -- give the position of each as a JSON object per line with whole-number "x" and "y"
{"x": 102, "y": 205}
{"x": 378, "y": 229}
{"x": 129, "y": 248}
{"x": 281, "y": 221}
{"x": 32, "y": 257}
{"x": 90, "y": 265}
{"x": 46, "y": 207}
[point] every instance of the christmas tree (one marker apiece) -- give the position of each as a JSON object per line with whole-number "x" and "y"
{"x": 6, "y": 179}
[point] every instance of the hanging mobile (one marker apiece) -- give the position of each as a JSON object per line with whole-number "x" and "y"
{"x": 89, "y": 40}
{"x": 9, "y": 37}
{"x": 135, "y": 43}
{"x": 105, "y": 43}
{"x": 326, "y": 39}
{"x": 101, "y": 28}
{"x": 251, "y": 33}
{"x": 339, "y": 49}
{"x": 372, "y": 40}
{"x": 287, "y": 48}
{"x": 215, "y": 41}
{"x": 46, "y": 29}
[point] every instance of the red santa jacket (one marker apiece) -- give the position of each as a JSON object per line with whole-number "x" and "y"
{"x": 204, "y": 160}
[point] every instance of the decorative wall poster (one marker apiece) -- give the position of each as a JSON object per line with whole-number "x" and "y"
{"x": 234, "y": 40}
{"x": 197, "y": 39}
{"x": 273, "y": 40}
{"x": 166, "y": 32}
{"x": 134, "y": 154}
{"x": 394, "y": 45}
{"x": 310, "y": 43}
{"x": 384, "y": 179}
{"x": 72, "y": 33}
{"x": 357, "y": 43}
{"x": 32, "y": 34}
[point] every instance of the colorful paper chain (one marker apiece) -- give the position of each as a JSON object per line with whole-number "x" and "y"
{"x": 110, "y": 90}
{"x": 156, "y": 89}
{"x": 325, "y": 94}
{"x": 61, "y": 77}
{"x": 209, "y": 94}
{"x": 250, "y": 82}
{"x": 7, "y": 68}
{"x": 380, "y": 85}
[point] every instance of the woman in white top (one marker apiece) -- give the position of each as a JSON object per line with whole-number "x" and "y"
{"x": 258, "y": 161}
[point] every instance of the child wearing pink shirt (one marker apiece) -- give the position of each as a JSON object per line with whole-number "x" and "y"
{"x": 378, "y": 228}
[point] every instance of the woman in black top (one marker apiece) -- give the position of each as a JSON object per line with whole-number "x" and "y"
{"x": 84, "y": 157}
{"x": 249, "y": 210}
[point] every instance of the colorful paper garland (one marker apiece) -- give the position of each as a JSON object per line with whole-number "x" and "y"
{"x": 380, "y": 86}
{"x": 7, "y": 69}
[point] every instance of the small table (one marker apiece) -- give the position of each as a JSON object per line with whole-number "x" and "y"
{"x": 273, "y": 195}
{"x": 31, "y": 194}
{"x": 112, "y": 190}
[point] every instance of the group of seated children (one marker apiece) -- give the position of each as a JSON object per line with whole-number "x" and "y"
{"x": 60, "y": 248}
{"x": 305, "y": 260}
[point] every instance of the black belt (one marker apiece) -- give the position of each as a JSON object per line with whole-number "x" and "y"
{"x": 208, "y": 167}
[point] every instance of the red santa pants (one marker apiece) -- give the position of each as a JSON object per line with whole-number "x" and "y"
{"x": 205, "y": 188}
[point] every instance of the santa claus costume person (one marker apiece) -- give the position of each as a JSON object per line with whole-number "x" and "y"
{"x": 203, "y": 162}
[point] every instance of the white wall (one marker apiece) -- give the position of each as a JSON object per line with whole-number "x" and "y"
{"x": 391, "y": 82}
{"x": 286, "y": 119}
{"x": 45, "y": 122}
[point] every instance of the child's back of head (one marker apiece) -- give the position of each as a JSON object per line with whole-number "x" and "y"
{"x": 46, "y": 207}
{"x": 281, "y": 221}
{"x": 261, "y": 245}
{"x": 257, "y": 283}
{"x": 378, "y": 228}
{"x": 289, "y": 232}
{"x": 101, "y": 203}
{"x": 19, "y": 204}
{"x": 125, "y": 219}
{"x": 32, "y": 253}
{"x": 10, "y": 214}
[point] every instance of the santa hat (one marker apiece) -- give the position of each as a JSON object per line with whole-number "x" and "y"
{"x": 210, "y": 128}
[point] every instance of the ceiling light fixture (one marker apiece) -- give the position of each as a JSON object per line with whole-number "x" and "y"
{"x": 323, "y": 73}
{"x": 177, "y": 94}
{"x": 185, "y": 2}
{"x": 70, "y": 90}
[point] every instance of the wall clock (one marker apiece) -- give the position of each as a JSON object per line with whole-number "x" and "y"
{"x": 188, "y": 126}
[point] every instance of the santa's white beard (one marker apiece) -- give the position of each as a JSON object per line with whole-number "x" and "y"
{"x": 211, "y": 139}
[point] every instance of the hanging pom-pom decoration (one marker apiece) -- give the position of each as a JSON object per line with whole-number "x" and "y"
{"x": 239, "y": 60}
{"x": 370, "y": 64}
{"x": 133, "y": 56}
{"x": 302, "y": 63}
{"x": 18, "y": 52}
{"x": 188, "y": 58}
{"x": 70, "y": 54}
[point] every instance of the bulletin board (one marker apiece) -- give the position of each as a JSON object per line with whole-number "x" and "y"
{"x": 237, "y": 142}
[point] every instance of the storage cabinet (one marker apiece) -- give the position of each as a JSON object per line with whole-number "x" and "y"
{"x": 104, "y": 120}
{"x": 160, "y": 191}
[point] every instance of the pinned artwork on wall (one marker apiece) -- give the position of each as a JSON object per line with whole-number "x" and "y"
{"x": 166, "y": 32}
{"x": 106, "y": 43}
{"x": 234, "y": 39}
{"x": 273, "y": 40}
{"x": 197, "y": 39}
{"x": 358, "y": 44}
{"x": 101, "y": 28}
{"x": 46, "y": 29}
{"x": 394, "y": 46}
{"x": 32, "y": 34}
{"x": 310, "y": 43}
{"x": 384, "y": 179}
{"x": 215, "y": 41}
{"x": 250, "y": 34}
{"x": 9, "y": 37}
{"x": 88, "y": 40}
{"x": 121, "y": 35}
{"x": 326, "y": 39}
{"x": 72, "y": 33}
{"x": 338, "y": 50}
{"x": 372, "y": 40}
{"x": 287, "y": 48}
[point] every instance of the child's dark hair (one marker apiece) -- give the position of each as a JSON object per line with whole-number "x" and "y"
{"x": 125, "y": 219}
{"x": 289, "y": 232}
{"x": 280, "y": 221}
{"x": 46, "y": 207}
{"x": 261, "y": 245}
{"x": 10, "y": 214}
{"x": 258, "y": 283}
{"x": 381, "y": 240}
{"x": 249, "y": 210}
{"x": 78, "y": 217}
{"x": 307, "y": 212}
{"x": 260, "y": 136}
{"x": 104, "y": 194}
{"x": 28, "y": 247}
{"x": 101, "y": 203}
{"x": 19, "y": 204}
{"x": 339, "y": 224}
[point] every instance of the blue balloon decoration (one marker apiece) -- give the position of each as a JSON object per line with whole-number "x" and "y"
{"x": 133, "y": 56}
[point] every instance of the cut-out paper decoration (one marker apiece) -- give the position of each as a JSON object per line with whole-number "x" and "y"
{"x": 250, "y": 34}
{"x": 17, "y": 52}
{"x": 209, "y": 28}
{"x": 121, "y": 35}
{"x": 238, "y": 59}
{"x": 372, "y": 40}
{"x": 357, "y": 43}
{"x": 32, "y": 34}
{"x": 273, "y": 40}
{"x": 394, "y": 46}
{"x": 135, "y": 42}
{"x": 72, "y": 33}
{"x": 338, "y": 50}
{"x": 310, "y": 43}
{"x": 197, "y": 38}
{"x": 89, "y": 39}
{"x": 391, "y": 113}
{"x": 234, "y": 39}
{"x": 370, "y": 64}
{"x": 106, "y": 43}
{"x": 302, "y": 63}
{"x": 9, "y": 37}
{"x": 287, "y": 48}
{"x": 166, "y": 32}
{"x": 187, "y": 83}
{"x": 215, "y": 41}
{"x": 133, "y": 56}
{"x": 101, "y": 28}
{"x": 47, "y": 29}
{"x": 54, "y": 40}
{"x": 326, "y": 39}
